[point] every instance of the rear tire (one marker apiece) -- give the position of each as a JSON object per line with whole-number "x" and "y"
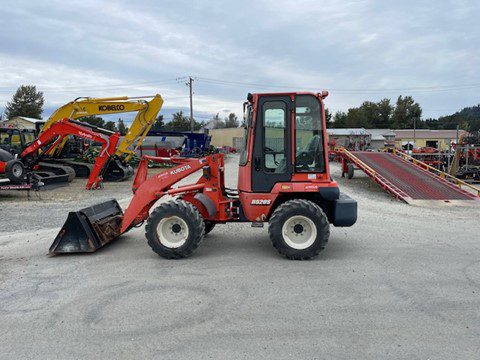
{"x": 350, "y": 171}
{"x": 15, "y": 171}
{"x": 299, "y": 229}
{"x": 174, "y": 229}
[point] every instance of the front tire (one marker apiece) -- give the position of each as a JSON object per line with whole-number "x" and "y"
{"x": 175, "y": 229}
{"x": 299, "y": 229}
{"x": 15, "y": 171}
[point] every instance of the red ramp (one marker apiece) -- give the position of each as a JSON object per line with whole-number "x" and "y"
{"x": 405, "y": 180}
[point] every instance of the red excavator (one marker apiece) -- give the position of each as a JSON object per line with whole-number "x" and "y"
{"x": 19, "y": 168}
{"x": 284, "y": 179}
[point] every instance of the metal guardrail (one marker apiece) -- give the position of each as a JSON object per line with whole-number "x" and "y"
{"x": 437, "y": 172}
{"x": 375, "y": 176}
{"x": 357, "y": 160}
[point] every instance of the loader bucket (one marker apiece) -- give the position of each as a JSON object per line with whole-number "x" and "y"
{"x": 89, "y": 229}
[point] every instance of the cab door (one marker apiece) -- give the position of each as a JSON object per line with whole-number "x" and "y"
{"x": 272, "y": 149}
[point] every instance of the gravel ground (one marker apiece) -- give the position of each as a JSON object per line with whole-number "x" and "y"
{"x": 403, "y": 283}
{"x": 56, "y": 202}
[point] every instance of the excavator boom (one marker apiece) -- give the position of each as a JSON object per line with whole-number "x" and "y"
{"x": 85, "y": 106}
{"x": 49, "y": 138}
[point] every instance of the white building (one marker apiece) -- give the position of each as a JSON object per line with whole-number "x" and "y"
{"x": 22, "y": 122}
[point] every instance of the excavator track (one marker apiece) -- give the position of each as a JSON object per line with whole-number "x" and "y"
{"x": 50, "y": 173}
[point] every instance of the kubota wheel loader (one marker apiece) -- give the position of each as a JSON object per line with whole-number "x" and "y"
{"x": 284, "y": 179}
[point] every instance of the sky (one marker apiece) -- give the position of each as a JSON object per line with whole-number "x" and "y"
{"x": 357, "y": 50}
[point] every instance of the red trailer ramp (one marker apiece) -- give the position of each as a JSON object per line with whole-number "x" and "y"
{"x": 404, "y": 179}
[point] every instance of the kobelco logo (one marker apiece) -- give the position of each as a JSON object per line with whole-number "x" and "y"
{"x": 180, "y": 169}
{"x": 85, "y": 135}
{"x": 111, "y": 107}
{"x": 260, "y": 202}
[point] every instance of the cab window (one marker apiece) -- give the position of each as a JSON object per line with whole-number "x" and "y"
{"x": 309, "y": 154}
{"x": 274, "y": 115}
{"x": 247, "y": 118}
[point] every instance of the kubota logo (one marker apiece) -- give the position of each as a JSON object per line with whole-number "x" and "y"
{"x": 111, "y": 107}
{"x": 85, "y": 135}
{"x": 180, "y": 169}
{"x": 260, "y": 202}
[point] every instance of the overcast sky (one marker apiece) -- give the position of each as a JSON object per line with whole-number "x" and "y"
{"x": 358, "y": 50}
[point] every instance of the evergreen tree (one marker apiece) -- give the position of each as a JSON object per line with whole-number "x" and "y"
{"x": 26, "y": 101}
{"x": 122, "y": 129}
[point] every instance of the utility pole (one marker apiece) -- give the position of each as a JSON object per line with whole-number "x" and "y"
{"x": 189, "y": 84}
{"x": 414, "y": 132}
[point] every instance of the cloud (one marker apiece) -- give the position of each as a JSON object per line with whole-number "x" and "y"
{"x": 101, "y": 48}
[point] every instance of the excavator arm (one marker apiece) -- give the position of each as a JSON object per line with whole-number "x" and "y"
{"x": 80, "y": 107}
{"x": 58, "y": 131}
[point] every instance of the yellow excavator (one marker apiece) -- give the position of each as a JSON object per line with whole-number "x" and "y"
{"x": 118, "y": 169}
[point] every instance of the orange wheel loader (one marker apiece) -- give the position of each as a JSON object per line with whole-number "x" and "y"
{"x": 283, "y": 180}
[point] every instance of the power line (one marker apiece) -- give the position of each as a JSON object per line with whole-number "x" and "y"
{"x": 435, "y": 88}
{"x": 61, "y": 89}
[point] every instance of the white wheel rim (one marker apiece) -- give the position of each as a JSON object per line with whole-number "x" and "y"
{"x": 299, "y": 232}
{"x": 172, "y": 232}
{"x": 17, "y": 170}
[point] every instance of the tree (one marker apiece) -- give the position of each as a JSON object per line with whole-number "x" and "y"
{"x": 158, "y": 124}
{"x": 122, "y": 129}
{"x": 231, "y": 121}
{"x": 93, "y": 120}
{"x": 26, "y": 101}
{"x": 340, "y": 120}
{"x": 406, "y": 113}
{"x": 217, "y": 122}
{"x": 110, "y": 125}
{"x": 384, "y": 116}
{"x": 179, "y": 122}
{"x": 358, "y": 117}
{"x": 328, "y": 118}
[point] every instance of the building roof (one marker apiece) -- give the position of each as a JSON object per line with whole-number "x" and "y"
{"x": 380, "y": 134}
{"x": 348, "y": 132}
{"x": 32, "y": 120}
{"x": 427, "y": 134}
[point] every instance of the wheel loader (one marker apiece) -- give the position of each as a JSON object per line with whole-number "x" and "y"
{"x": 283, "y": 180}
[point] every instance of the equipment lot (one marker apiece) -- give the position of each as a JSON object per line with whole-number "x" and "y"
{"x": 404, "y": 282}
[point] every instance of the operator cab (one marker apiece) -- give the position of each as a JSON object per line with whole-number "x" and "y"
{"x": 284, "y": 140}
{"x": 14, "y": 140}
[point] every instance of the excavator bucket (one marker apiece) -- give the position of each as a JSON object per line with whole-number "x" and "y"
{"x": 117, "y": 171}
{"x": 89, "y": 229}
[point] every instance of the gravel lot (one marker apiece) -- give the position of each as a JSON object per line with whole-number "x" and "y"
{"x": 404, "y": 282}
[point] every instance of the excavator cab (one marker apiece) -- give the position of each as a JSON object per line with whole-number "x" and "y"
{"x": 283, "y": 180}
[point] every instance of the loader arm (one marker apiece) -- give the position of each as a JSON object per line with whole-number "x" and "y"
{"x": 148, "y": 191}
{"x": 52, "y": 136}
{"x": 81, "y": 107}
